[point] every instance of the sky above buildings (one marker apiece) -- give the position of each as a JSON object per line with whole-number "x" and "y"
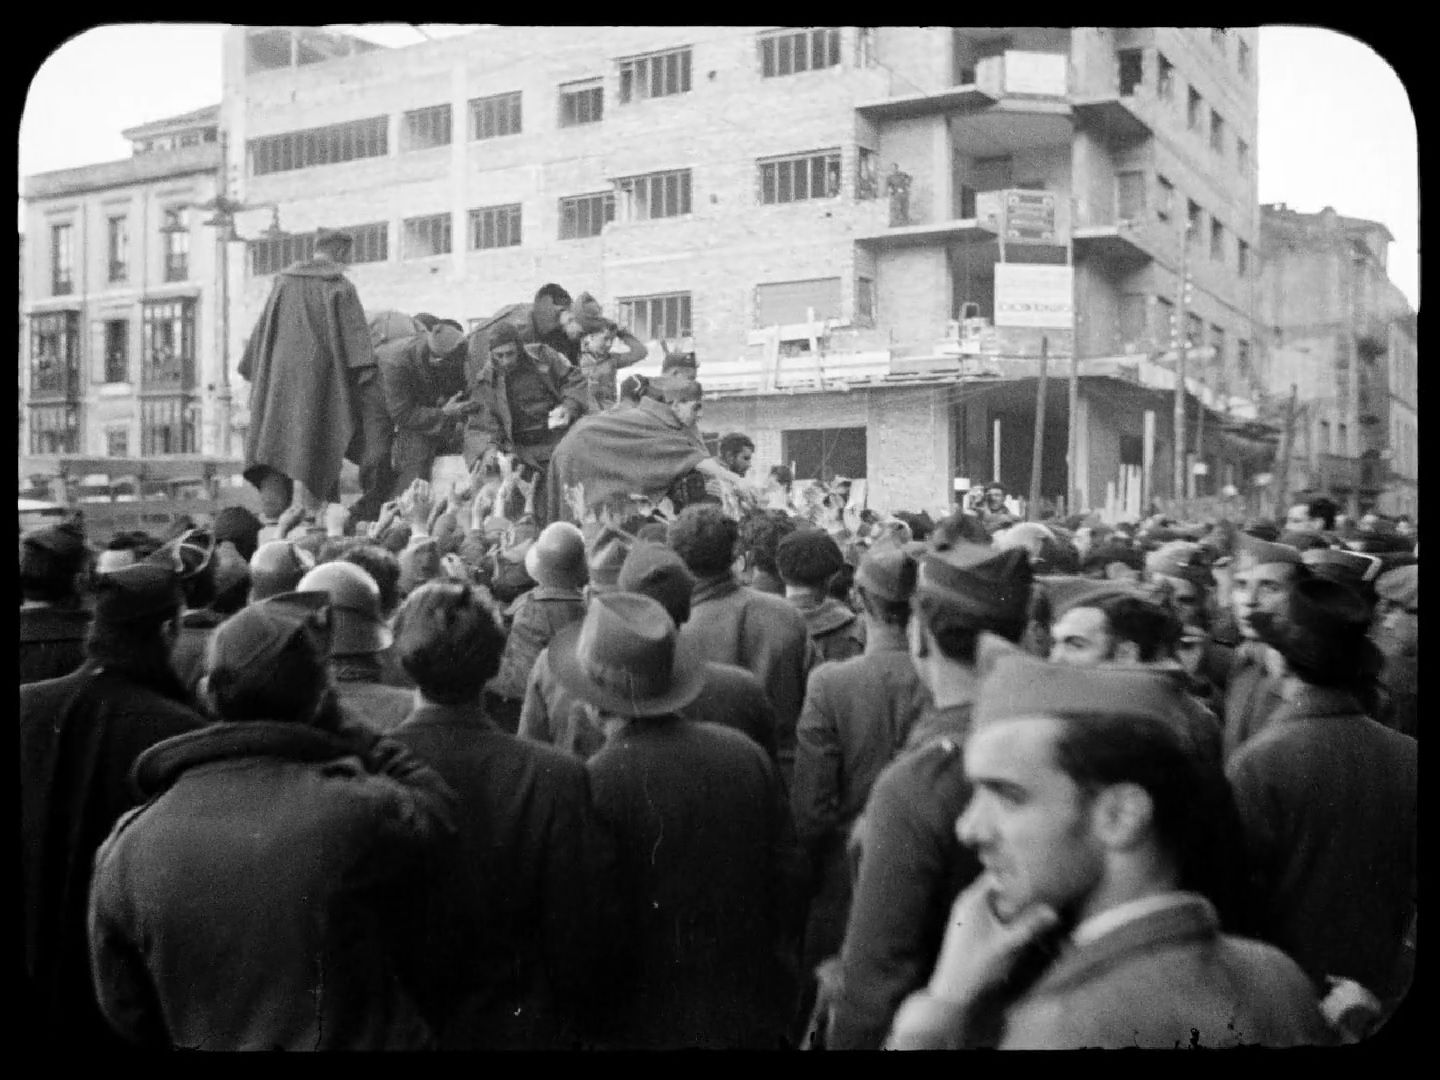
{"x": 1336, "y": 128}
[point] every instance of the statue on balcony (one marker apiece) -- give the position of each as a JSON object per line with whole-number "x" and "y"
{"x": 897, "y": 186}
{"x": 315, "y": 396}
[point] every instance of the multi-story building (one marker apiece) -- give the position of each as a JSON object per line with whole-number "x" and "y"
{"x": 118, "y": 340}
{"x": 732, "y": 186}
{"x": 1344, "y": 346}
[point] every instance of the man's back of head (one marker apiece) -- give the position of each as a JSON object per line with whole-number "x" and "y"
{"x": 705, "y": 539}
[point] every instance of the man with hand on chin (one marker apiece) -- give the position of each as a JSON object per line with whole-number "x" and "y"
{"x": 1090, "y": 925}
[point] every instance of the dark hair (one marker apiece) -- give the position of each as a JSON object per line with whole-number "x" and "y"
{"x": 921, "y": 527}
{"x": 840, "y": 583}
{"x": 782, "y": 475}
{"x": 136, "y": 644}
{"x": 382, "y": 565}
{"x": 705, "y": 539}
{"x": 553, "y": 292}
{"x": 633, "y": 388}
{"x": 288, "y": 688}
{"x": 955, "y": 528}
{"x": 674, "y": 391}
{"x": 760, "y": 535}
{"x": 1261, "y": 529}
{"x": 1153, "y": 628}
{"x": 956, "y": 642}
{"x": 1189, "y": 797}
{"x": 448, "y": 322}
{"x": 449, "y": 642}
{"x": 48, "y": 577}
{"x": 1324, "y": 509}
{"x": 429, "y": 321}
{"x": 734, "y": 442}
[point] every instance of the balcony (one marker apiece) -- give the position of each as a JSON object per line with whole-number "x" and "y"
{"x": 1117, "y": 117}
{"x": 951, "y": 231}
{"x": 1013, "y": 82}
{"x": 1124, "y": 245}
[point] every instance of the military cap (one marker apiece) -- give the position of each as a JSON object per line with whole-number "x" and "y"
{"x": 1065, "y": 593}
{"x": 887, "y": 574}
{"x": 1252, "y": 551}
{"x": 136, "y": 593}
{"x": 1348, "y": 567}
{"x": 983, "y": 586}
{"x": 808, "y": 557}
{"x": 1180, "y": 559}
{"x": 1400, "y": 586}
{"x": 1021, "y": 686}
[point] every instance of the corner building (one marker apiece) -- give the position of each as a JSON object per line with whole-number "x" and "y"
{"x": 729, "y": 185}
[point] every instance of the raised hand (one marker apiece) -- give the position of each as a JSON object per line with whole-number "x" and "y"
{"x": 388, "y": 513}
{"x": 420, "y": 501}
{"x": 336, "y": 517}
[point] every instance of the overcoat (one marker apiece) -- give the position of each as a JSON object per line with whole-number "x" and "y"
{"x": 261, "y": 898}
{"x": 309, "y": 350}
{"x": 1327, "y": 798}
{"x": 52, "y": 642}
{"x": 79, "y": 736}
{"x": 709, "y": 884}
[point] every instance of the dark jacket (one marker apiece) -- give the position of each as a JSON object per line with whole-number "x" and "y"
{"x": 1252, "y": 695}
{"x": 522, "y": 317}
{"x": 911, "y": 868}
{"x": 520, "y": 923}
{"x": 79, "y": 736}
{"x": 536, "y": 617}
{"x": 52, "y": 642}
{"x": 835, "y": 630}
{"x": 416, "y": 387}
{"x": 1328, "y": 801}
{"x": 732, "y": 698}
{"x": 363, "y": 692}
{"x": 491, "y": 426}
{"x": 307, "y": 354}
{"x": 187, "y": 655}
{"x": 856, "y": 718}
{"x": 732, "y": 624}
{"x": 303, "y": 854}
{"x": 708, "y": 882}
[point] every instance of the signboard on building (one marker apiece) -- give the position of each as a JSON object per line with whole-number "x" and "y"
{"x": 1036, "y": 73}
{"x": 1034, "y": 295}
{"x": 1019, "y": 216}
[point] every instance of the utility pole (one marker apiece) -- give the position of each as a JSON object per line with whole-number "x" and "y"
{"x": 1033, "y": 510}
{"x": 1182, "y": 307}
{"x": 1072, "y": 440}
{"x": 1282, "y": 489}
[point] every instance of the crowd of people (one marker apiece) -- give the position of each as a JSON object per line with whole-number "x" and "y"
{"x": 570, "y": 734}
{"x": 799, "y": 774}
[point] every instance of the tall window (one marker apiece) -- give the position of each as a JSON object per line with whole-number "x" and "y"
{"x": 1194, "y": 216}
{"x": 825, "y": 453}
{"x": 118, "y": 248}
{"x": 1217, "y": 240}
{"x": 1194, "y": 331}
{"x": 496, "y": 115}
{"x": 582, "y": 102}
{"x": 656, "y": 75}
{"x": 1194, "y": 110}
{"x": 1242, "y": 59}
{"x": 1130, "y": 196}
{"x": 800, "y": 176}
{"x": 1165, "y": 84}
{"x": 1217, "y": 340}
{"x": 865, "y": 301}
{"x": 1242, "y": 156}
{"x": 168, "y": 360}
{"x": 1167, "y": 332}
{"x": 424, "y": 129}
{"x": 655, "y": 195}
{"x": 55, "y": 354}
{"x": 372, "y": 242}
{"x": 117, "y": 442}
{"x": 328, "y": 145}
{"x": 167, "y": 426}
{"x": 495, "y": 227}
{"x": 62, "y": 259}
{"x": 117, "y": 351}
{"x": 586, "y": 215}
{"x": 1217, "y": 132}
{"x": 177, "y": 247}
{"x": 426, "y": 236}
{"x": 1242, "y": 257}
{"x": 787, "y": 52}
{"x": 653, "y": 317}
{"x": 1242, "y": 357}
{"x": 1132, "y": 70}
{"x": 1165, "y": 198}
{"x": 54, "y": 429}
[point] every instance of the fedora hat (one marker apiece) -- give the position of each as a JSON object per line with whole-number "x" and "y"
{"x": 626, "y": 658}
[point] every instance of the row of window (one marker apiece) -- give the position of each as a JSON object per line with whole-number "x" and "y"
{"x": 167, "y": 426}
{"x": 1132, "y": 76}
{"x": 271, "y": 255}
{"x": 167, "y": 349}
{"x": 175, "y": 244}
{"x": 1166, "y": 332}
{"x": 1218, "y": 37}
{"x": 1132, "y": 207}
{"x": 653, "y": 75}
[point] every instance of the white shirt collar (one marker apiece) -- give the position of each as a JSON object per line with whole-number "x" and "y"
{"x": 1113, "y": 918}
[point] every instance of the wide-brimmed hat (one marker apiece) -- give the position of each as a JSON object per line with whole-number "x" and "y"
{"x": 627, "y": 658}
{"x": 357, "y": 625}
{"x": 557, "y": 557}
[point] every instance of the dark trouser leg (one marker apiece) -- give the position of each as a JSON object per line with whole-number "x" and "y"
{"x": 376, "y": 432}
{"x": 414, "y": 457}
{"x": 537, "y": 458}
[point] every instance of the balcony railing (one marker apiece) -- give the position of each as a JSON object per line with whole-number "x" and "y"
{"x": 176, "y": 373}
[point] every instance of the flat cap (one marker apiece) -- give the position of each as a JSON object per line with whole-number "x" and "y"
{"x": 983, "y": 586}
{"x": 1021, "y": 686}
{"x": 887, "y": 573}
{"x": 1252, "y": 551}
{"x": 255, "y": 636}
{"x": 139, "y": 592}
{"x": 1400, "y": 586}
